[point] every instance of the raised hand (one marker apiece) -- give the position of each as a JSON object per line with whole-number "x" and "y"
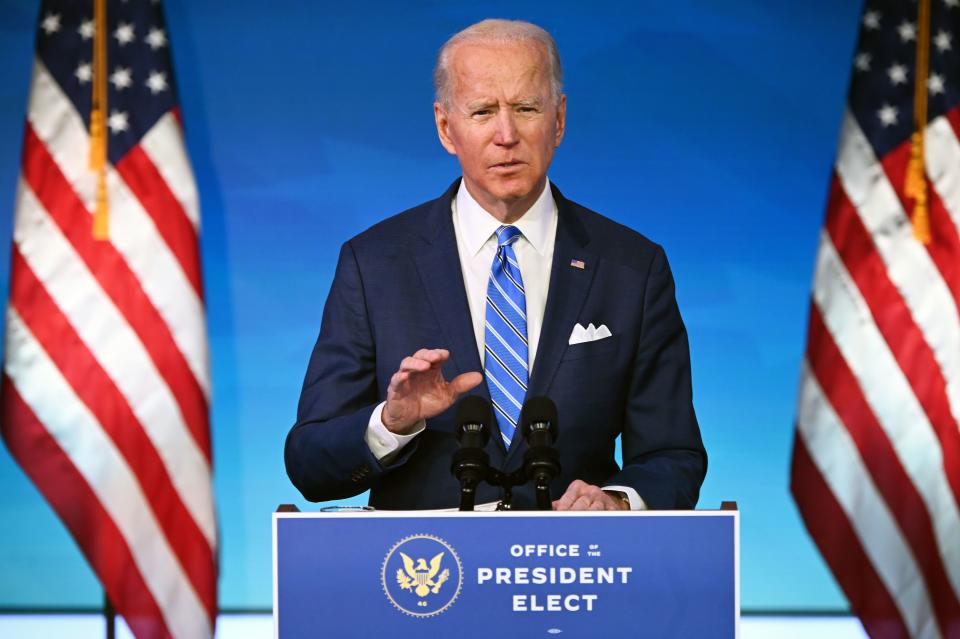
{"x": 418, "y": 390}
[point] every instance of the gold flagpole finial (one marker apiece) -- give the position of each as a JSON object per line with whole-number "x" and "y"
{"x": 915, "y": 184}
{"x": 98, "y": 121}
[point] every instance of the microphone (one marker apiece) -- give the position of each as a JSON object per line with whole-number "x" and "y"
{"x": 471, "y": 463}
{"x": 541, "y": 462}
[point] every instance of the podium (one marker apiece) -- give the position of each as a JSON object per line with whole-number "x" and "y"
{"x": 385, "y": 574}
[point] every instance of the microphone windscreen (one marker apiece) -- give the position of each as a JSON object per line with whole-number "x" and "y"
{"x": 538, "y": 410}
{"x": 474, "y": 409}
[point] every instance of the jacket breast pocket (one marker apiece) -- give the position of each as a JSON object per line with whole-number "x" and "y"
{"x": 606, "y": 346}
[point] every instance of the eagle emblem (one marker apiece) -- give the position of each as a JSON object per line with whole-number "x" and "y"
{"x": 420, "y": 577}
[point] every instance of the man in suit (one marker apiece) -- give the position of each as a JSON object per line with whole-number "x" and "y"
{"x": 487, "y": 289}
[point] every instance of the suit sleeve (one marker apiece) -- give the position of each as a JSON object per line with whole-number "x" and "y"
{"x": 325, "y": 454}
{"x": 663, "y": 455}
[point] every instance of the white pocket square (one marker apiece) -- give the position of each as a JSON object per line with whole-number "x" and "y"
{"x": 589, "y": 334}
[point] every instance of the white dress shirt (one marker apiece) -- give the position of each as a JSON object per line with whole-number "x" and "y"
{"x": 475, "y": 231}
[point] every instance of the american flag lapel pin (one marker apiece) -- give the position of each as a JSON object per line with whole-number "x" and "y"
{"x": 578, "y": 264}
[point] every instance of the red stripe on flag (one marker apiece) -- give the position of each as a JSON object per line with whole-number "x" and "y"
{"x": 845, "y": 395}
{"x": 896, "y": 324}
{"x": 118, "y": 281}
{"x": 164, "y": 209}
{"x": 953, "y": 117}
{"x": 945, "y": 243}
{"x": 98, "y": 537}
{"x": 830, "y": 528}
{"x": 95, "y": 389}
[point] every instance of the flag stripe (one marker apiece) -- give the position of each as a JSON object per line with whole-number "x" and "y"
{"x": 880, "y": 459}
{"x": 118, "y": 350}
{"x": 42, "y": 387}
{"x": 908, "y": 266}
{"x": 132, "y": 232}
{"x": 888, "y": 393}
{"x": 831, "y": 528}
{"x": 946, "y": 247}
{"x": 902, "y": 336}
{"x": 953, "y": 117}
{"x": 149, "y": 187}
{"x": 160, "y": 275}
{"x": 107, "y": 382}
{"x": 117, "y": 281}
{"x": 164, "y": 146}
{"x": 942, "y": 155}
{"x": 51, "y": 115}
{"x": 55, "y": 475}
{"x": 101, "y": 396}
{"x": 838, "y": 462}
{"x": 876, "y": 462}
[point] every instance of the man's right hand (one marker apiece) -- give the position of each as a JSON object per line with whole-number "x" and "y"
{"x": 419, "y": 391}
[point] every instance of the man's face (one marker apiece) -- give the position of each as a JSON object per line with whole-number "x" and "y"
{"x": 502, "y": 123}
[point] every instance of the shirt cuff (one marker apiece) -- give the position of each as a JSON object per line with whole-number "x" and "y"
{"x": 636, "y": 501}
{"x": 381, "y": 441}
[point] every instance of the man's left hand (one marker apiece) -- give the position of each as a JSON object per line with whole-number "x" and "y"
{"x": 583, "y": 496}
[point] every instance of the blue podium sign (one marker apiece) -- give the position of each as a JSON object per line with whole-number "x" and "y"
{"x": 506, "y": 574}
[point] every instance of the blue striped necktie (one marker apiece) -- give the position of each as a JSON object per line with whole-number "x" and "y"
{"x": 505, "y": 336}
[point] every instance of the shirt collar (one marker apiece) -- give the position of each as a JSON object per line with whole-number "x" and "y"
{"x": 477, "y": 225}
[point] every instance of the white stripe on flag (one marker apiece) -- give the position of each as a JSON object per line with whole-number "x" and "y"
{"x": 942, "y": 155}
{"x": 43, "y": 388}
{"x": 908, "y": 263}
{"x": 165, "y": 147}
{"x": 839, "y": 462}
{"x": 53, "y": 118}
{"x": 132, "y": 231}
{"x": 887, "y": 391}
{"x": 116, "y": 347}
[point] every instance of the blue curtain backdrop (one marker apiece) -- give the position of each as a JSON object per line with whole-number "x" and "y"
{"x": 710, "y": 127}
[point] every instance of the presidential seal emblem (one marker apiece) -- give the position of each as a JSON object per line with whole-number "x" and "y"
{"x": 421, "y": 575}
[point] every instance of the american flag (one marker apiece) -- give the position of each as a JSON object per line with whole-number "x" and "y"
{"x": 876, "y": 462}
{"x": 106, "y": 377}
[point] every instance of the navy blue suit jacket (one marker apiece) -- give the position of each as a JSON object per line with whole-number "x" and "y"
{"x": 399, "y": 288}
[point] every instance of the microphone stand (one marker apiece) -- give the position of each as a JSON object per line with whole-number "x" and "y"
{"x": 468, "y": 496}
{"x": 542, "y": 486}
{"x": 506, "y": 481}
{"x": 470, "y": 466}
{"x": 471, "y": 463}
{"x": 541, "y": 462}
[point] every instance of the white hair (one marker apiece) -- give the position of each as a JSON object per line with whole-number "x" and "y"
{"x": 497, "y": 31}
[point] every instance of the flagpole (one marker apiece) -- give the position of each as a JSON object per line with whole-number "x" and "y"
{"x": 110, "y": 617}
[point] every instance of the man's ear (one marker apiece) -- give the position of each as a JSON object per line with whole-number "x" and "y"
{"x": 443, "y": 128}
{"x": 561, "y": 120}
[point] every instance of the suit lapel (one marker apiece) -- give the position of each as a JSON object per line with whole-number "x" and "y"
{"x": 438, "y": 264}
{"x": 568, "y": 290}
